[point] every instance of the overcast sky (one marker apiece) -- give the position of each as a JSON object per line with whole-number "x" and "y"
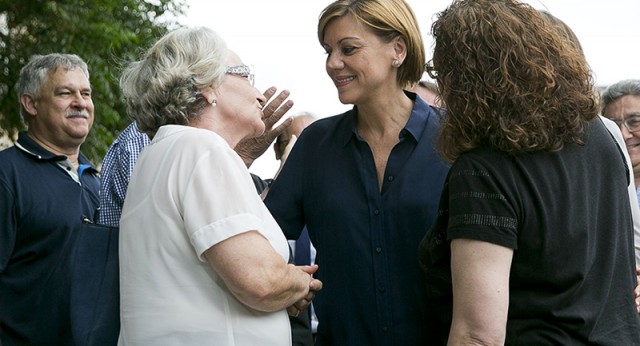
{"x": 279, "y": 38}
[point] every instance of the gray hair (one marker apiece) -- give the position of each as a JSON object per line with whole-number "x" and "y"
{"x": 618, "y": 90}
{"x": 165, "y": 86}
{"x": 34, "y": 73}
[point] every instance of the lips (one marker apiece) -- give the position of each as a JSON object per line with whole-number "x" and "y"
{"x": 81, "y": 114}
{"x": 342, "y": 81}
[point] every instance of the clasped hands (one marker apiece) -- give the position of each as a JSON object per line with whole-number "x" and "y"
{"x": 315, "y": 285}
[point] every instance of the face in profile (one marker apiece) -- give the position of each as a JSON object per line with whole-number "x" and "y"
{"x": 239, "y": 100}
{"x": 627, "y": 108}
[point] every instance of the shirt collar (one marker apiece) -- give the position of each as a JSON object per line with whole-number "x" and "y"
{"x": 31, "y": 147}
{"x": 419, "y": 116}
{"x": 415, "y": 125}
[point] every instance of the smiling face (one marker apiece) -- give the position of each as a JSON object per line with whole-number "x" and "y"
{"x": 62, "y": 114}
{"x": 359, "y": 62}
{"x": 624, "y": 108}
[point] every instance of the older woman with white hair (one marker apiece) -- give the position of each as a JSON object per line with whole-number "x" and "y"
{"x": 201, "y": 259}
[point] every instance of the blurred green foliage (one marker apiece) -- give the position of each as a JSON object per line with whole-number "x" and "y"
{"x": 107, "y": 34}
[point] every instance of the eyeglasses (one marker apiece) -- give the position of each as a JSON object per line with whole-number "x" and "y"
{"x": 431, "y": 71}
{"x": 243, "y": 71}
{"x": 631, "y": 122}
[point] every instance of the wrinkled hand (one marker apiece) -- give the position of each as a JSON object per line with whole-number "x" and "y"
{"x": 315, "y": 285}
{"x": 250, "y": 149}
{"x": 636, "y": 292}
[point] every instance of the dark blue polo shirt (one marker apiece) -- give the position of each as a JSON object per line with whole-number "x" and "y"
{"x": 41, "y": 212}
{"x": 367, "y": 239}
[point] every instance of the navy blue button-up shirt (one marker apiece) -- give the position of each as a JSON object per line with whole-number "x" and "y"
{"x": 367, "y": 239}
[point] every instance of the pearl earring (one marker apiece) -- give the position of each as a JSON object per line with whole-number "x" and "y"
{"x": 213, "y": 102}
{"x": 395, "y": 63}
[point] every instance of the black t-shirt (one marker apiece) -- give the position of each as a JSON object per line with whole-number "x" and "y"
{"x": 566, "y": 215}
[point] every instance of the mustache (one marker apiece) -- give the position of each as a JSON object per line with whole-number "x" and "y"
{"x": 81, "y": 113}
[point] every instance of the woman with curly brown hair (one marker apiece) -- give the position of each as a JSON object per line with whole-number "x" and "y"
{"x": 533, "y": 243}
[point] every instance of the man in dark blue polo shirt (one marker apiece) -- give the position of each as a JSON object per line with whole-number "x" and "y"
{"x": 47, "y": 189}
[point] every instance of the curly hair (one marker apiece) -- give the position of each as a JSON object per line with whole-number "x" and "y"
{"x": 165, "y": 86}
{"x": 387, "y": 19}
{"x": 509, "y": 79}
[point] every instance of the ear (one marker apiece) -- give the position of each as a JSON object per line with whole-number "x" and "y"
{"x": 209, "y": 94}
{"x": 28, "y": 102}
{"x": 400, "y": 49}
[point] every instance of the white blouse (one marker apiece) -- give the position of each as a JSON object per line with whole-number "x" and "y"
{"x": 189, "y": 191}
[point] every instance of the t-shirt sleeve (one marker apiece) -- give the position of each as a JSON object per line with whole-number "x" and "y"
{"x": 219, "y": 200}
{"x": 480, "y": 202}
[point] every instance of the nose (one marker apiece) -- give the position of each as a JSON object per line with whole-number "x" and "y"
{"x": 334, "y": 62}
{"x": 626, "y": 134}
{"x": 262, "y": 100}
{"x": 79, "y": 101}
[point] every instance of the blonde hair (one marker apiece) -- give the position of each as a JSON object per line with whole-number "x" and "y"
{"x": 387, "y": 19}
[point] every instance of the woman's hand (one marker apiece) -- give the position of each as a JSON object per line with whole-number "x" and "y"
{"x": 315, "y": 285}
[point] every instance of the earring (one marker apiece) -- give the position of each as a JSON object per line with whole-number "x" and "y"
{"x": 213, "y": 102}
{"x": 395, "y": 63}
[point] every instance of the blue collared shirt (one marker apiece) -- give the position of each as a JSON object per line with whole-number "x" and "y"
{"x": 367, "y": 240}
{"x": 117, "y": 167}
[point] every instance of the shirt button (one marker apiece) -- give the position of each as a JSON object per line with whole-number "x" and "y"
{"x": 378, "y": 249}
{"x": 376, "y": 212}
{"x": 385, "y": 329}
{"x": 390, "y": 178}
{"x": 382, "y": 289}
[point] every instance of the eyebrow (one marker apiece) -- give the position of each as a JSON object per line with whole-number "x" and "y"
{"x": 348, "y": 38}
{"x": 70, "y": 87}
{"x": 324, "y": 43}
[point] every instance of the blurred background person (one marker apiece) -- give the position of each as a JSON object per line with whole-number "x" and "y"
{"x": 621, "y": 103}
{"x": 285, "y": 141}
{"x": 366, "y": 182}
{"x": 199, "y": 251}
{"x": 533, "y": 243}
{"x": 428, "y": 91}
